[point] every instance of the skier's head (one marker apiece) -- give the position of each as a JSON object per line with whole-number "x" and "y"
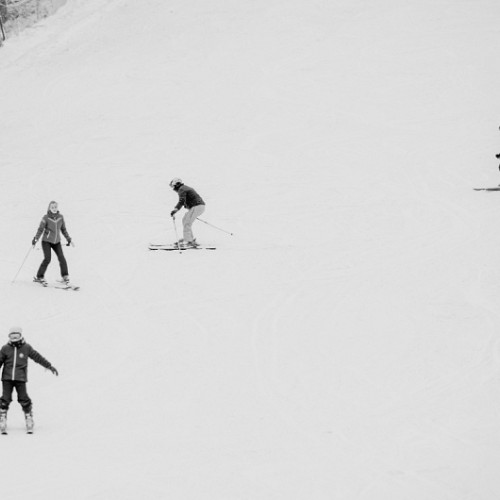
{"x": 176, "y": 183}
{"x": 16, "y": 336}
{"x": 53, "y": 207}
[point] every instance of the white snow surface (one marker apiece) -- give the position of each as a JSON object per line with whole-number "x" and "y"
{"x": 344, "y": 342}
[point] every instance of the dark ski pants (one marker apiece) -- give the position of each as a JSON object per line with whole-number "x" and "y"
{"x": 47, "y": 247}
{"x": 22, "y": 395}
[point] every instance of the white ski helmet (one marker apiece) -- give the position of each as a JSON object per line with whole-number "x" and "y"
{"x": 16, "y": 333}
{"x": 175, "y": 182}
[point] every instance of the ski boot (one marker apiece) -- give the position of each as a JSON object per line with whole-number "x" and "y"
{"x": 42, "y": 281}
{"x": 3, "y": 421}
{"x": 29, "y": 422}
{"x": 192, "y": 244}
{"x": 65, "y": 281}
{"x": 66, "y": 284}
{"x": 179, "y": 244}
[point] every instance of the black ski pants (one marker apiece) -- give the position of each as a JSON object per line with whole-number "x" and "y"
{"x": 22, "y": 395}
{"x": 47, "y": 248}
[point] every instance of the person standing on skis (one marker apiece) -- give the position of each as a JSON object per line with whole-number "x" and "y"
{"x": 14, "y": 358}
{"x": 195, "y": 206}
{"x": 52, "y": 225}
{"x": 497, "y": 156}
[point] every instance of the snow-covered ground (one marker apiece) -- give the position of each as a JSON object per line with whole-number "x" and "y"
{"x": 344, "y": 343}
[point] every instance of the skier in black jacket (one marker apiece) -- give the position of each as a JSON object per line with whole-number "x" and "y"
{"x": 14, "y": 358}
{"x": 195, "y": 206}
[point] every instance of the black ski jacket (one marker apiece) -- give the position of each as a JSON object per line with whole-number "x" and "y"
{"x": 15, "y": 361}
{"x": 188, "y": 198}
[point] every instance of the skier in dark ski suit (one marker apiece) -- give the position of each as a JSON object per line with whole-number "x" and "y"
{"x": 52, "y": 225}
{"x": 14, "y": 358}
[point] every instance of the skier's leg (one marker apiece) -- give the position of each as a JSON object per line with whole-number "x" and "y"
{"x": 187, "y": 234}
{"x": 22, "y": 396}
{"x": 46, "y": 259}
{"x": 188, "y": 220}
{"x": 5, "y": 400}
{"x": 62, "y": 260}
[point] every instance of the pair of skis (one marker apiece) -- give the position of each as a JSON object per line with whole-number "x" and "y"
{"x": 30, "y": 426}
{"x": 61, "y": 284}
{"x": 5, "y": 433}
{"x": 173, "y": 247}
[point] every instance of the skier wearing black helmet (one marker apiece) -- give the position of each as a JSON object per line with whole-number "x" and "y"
{"x": 193, "y": 202}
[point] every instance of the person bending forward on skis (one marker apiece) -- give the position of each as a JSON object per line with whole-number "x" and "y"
{"x": 195, "y": 206}
{"x": 14, "y": 358}
{"x": 52, "y": 225}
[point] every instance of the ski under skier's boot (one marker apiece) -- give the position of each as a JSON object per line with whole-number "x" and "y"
{"x": 3, "y": 421}
{"x": 29, "y": 422}
{"x": 181, "y": 244}
{"x": 42, "y": 281}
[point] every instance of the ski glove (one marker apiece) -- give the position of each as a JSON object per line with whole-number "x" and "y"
{"x": 53, "y": 370}
{"x": 173, "y": 212}
{"x": 33, "y": 242}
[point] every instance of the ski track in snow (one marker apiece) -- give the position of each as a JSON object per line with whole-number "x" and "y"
{"x": 343, "y": 343}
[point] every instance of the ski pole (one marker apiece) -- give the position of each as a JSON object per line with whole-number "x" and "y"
{"x": 29, "y": 251}
{"x": 176, "y": 234}
{"x": 220, "y": 229}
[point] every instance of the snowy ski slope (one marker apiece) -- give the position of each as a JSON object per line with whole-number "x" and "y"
{"x": 343, "y": 344}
